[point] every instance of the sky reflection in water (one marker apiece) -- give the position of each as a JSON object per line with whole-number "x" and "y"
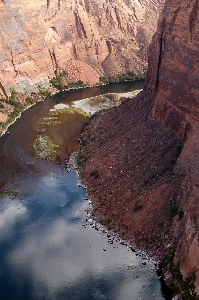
{"x": 46, "y": 253}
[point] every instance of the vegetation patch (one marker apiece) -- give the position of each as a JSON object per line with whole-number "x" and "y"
{"x": 76, "y": 84}
{"x": 30, "y": 100}
{"x": 13, "y": 106}
{"x": 45, "y": 148}
{"x": 8, "y": 192}
{"x": 46, "y": 121}
{"x": 59, "y": 81}
{"x": 44, "y": 92}
{"x": 78, "y": 110}
{"x": 107, "y": 100}
{"x": 130, "y": 76}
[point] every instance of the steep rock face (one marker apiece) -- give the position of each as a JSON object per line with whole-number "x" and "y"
{"x": 173, "y": 82}
{"x": 173, "y": 67}
{"x": 87, "y": 38}
{"x": 137, "y": 183}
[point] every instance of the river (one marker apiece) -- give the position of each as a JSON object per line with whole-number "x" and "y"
{"x": 47, "y": 250}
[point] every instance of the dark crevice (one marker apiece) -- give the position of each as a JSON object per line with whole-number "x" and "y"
{"x": 193, "y": 18}
{"x": 59, "y": 4}
{"x": 118, "y": 19}
{"x": 185, "y": 133}
{"x": 3, "y": 90}
{"x": 54, "y": 29}
{"x": 53, "y": 59}
{"x": 134, "y": 13}
{"x": 159, "y": 61}
{"x": 75, "y": 52}
{"x": 13, "y": 64}
{"x": 108, "y": 43}
{"x": 80, "y": 28}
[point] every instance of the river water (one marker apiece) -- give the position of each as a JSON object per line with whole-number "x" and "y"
{"x": 47, "y": 250}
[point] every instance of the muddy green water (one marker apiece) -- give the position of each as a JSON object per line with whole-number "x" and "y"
{"x": 47, "y": 250}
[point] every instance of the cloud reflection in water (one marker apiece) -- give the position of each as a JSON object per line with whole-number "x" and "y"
{"x": 11, "y": 211}
{"x": 60, "y": 258}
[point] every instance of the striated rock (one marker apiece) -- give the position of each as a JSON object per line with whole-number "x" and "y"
{"x": 86, "y": 38}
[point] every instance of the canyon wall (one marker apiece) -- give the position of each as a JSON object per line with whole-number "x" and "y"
{"x": 87, "y": 38}
{"x": 141, "y": 161}
{"x": 173, "y": 67}
{"x": 173, "y": 81}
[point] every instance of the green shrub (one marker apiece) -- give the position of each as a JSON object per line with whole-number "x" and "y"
{"x": 30, "y": 100}
{"x": 45, "y": 148}
{"x": 74, "y": 84}
{"x": 15, "y": 103}
{"x": 13, "y": 93}
{"x": 57, "y": 81}
{"x": 130, "y": 76}
{"x": 43, "y": 92}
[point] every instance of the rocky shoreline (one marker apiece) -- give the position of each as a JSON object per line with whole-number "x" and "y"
{"x": 127, "y": 163}
{"x": 102, "y": 164}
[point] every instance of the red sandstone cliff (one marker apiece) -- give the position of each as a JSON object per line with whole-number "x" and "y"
{"x": 173, "y": 80}
{"x": 86, "y": 38}
{"x": 138, "y": 183}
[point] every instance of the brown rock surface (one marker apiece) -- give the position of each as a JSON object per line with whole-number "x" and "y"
{"x": 86, "y": 38}
{"x": 137, "y": 185}
{"x": 128, "y": 167}
{"x": 3, "y": 117}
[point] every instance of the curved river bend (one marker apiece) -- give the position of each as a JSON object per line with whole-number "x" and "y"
{"x": 45, "y": 252}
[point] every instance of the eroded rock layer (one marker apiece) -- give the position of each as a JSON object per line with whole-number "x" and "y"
{"x": 87, "y": 38}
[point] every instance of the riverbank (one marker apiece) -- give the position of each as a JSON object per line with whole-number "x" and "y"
{"x": 12, "y": 107}
{"x": 127, "y": 163}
